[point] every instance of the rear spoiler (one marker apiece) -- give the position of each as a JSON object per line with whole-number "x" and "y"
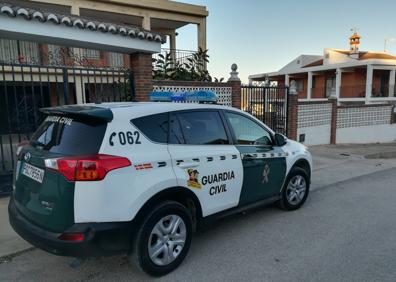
{"x": 80, "y": 111}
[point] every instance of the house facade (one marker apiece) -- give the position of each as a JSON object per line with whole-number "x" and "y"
{"x": 159, "y": 16}
{"x": 350, "y": 76}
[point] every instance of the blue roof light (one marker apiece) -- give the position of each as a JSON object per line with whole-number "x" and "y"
{"x": 200, "y": 96}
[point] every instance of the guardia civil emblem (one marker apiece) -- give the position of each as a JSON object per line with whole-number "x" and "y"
{"x": 266, "y": 172}
{"x": 193, "y": 179}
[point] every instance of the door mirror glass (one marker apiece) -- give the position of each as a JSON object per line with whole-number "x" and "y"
{"x": 280, "y": 139}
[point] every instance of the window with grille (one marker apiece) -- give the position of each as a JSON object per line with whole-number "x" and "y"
{"x": 116, "y": 60}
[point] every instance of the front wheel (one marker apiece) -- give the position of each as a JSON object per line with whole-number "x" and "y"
{"x": 295, "y": 190}
{"x": 163, "y": 239}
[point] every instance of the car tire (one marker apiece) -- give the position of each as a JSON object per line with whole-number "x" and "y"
{"x": 295, "y": 189}
{"x": 157, "y": 248}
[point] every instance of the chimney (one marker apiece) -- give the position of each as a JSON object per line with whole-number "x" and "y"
{"x": 354, "y": 42}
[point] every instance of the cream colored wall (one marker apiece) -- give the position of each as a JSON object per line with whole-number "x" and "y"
{"x": 146, "y": 9}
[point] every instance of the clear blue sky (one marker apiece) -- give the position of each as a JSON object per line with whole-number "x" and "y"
{"x": 262, "y": 36}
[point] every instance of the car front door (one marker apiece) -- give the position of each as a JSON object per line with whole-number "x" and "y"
{"x": 264, "y": 165}
{"x": 204, "y": 160}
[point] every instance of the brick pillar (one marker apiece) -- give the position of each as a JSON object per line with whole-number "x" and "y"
{"x": 236, "y": 93}
{"x": 235, "y": 83}
{"x": 141, "y": 66}
{"x": 292, "y": 112}
{"x": 333, "y": 128}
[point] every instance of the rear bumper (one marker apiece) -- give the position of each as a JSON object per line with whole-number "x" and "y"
{"x": 99, "y": 238}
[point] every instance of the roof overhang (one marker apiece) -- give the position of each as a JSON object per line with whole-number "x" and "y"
{"x": 25, "y": 24}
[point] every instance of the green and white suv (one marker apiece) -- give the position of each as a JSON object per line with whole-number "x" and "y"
{"x": 139, "y": 178}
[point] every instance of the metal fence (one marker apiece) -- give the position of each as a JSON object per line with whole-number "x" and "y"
{"x": 181, "y": 56}
{"x": 26, "y": 88}
{"x": 268, "y": 104}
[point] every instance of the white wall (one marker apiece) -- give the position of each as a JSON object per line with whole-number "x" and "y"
{"x": 315, "y": 135}
{"x": 367, "y": 134}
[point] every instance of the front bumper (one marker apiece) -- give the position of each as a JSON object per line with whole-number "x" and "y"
{"x": 100, "y": 238}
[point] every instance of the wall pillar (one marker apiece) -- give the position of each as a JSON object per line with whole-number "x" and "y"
{"x": 338, "y": 84}
{"x": 333, "y": 123}
{"x": 392, "y": 75}
{"x": 309, "y": 86}
{"x": 141, "y": 66}
{"x": 369, "y": 83}
{"x": 292, "y": 113}
{"x": 235, "y": 83}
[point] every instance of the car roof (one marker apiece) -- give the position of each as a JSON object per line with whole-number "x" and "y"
{"x": 161, "y": 106}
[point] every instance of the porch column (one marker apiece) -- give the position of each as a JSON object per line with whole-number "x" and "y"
{"x": 338, "y": 83}
{"x": 392, "y": 74}
{"x": 172, "y": 44}
{"x": 202, "y": 34}
{"x": 369, "y": 82}
{"x": 146, "y": 24}
{"x": 309, "y": 86}
{"x": 287, "y": 80}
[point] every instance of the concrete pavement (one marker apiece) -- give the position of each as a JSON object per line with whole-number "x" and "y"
{"x": 345, "y": 232}
{"x": 332, "y": 164}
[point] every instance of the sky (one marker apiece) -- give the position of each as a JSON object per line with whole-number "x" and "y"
{"x": 263, "y": 36}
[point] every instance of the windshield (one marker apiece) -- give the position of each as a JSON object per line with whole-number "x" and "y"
{"x": 69, "y": 136}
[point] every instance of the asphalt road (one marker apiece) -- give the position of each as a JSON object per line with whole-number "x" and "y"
{"x": 345, "y": 232}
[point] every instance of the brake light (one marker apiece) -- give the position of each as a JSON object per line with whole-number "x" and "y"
{"x": 72, "y": 237}
{"x": 20, "y": 146}
{"x": 86, "y": 168}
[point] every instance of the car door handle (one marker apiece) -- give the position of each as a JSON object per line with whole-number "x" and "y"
{"x": 188, "y": 165}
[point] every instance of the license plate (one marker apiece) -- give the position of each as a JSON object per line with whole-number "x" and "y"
{"x": 33, "y": 172}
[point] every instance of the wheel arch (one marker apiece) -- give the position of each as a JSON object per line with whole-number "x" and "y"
{"x": 181, "y": 195}
{"x": 304, "y": 164}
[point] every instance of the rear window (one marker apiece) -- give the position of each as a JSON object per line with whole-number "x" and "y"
{"x": 69, "y": 136}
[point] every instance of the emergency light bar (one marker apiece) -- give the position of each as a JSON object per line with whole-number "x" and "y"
{"x": 200, "y": 96}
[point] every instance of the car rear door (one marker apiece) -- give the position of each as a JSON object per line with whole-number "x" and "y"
{"x": 44, "y": 196}
{"x": 204, "y": 160}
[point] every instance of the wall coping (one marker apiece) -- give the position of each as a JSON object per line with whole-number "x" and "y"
{"x": 190, "y": 83}
{"x": 365, "y": 106}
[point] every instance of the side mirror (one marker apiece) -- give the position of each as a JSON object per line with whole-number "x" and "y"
{"x": 280, "y": 139}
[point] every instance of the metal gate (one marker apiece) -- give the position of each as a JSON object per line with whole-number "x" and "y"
{"x": 26, "y": 88}
{"x": 268, "y": 104}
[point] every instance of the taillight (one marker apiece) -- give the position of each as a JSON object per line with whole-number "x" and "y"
{"x": 72, "y": 237}
{"x": 20, "y": 146}
{"x": 86, "y": 168}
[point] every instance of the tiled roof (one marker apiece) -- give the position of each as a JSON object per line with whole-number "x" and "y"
{"x": 79, "y": 22}
{"x": 365, "y": 55}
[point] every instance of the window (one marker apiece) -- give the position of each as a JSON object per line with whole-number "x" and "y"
{"x": 175, "y": 132}
{"x": 248, "y": 132}
{"x": 202, "y": 128}
{"x": 76, "y": 137}
{"x": 155, "y": 127}
{"x": 116, "y": 60}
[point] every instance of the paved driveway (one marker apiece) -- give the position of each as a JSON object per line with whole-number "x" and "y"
{"x": 345, "y": 232}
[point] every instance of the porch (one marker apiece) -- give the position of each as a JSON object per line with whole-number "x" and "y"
{"x": 368, "y": 84}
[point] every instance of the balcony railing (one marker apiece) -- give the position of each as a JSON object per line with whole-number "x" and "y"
{"x": 176, "y": 55}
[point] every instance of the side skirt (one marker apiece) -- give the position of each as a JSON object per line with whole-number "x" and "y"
{"x": 238, "y": 209}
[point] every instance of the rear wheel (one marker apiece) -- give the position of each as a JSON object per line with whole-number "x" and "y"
{"x": 163, "y": 239}
{"x": 295, "y": 190}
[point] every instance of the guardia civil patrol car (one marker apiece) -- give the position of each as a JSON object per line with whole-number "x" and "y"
{"x": 139, "y": 178}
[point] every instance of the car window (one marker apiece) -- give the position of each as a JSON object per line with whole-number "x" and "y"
{"x": 175, "y": 132}
{"x": 202, "y": 128}
{"x": 247, "y": 131}
{"x": 155, "y": 127}
{"x": 69, "y": 136}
